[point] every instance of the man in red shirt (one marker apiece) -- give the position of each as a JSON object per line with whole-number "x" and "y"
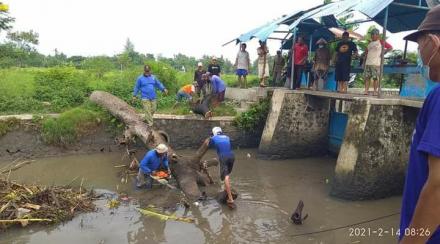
{"x": 301, "y": 51}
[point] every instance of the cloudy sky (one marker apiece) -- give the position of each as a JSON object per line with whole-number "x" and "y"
{"x": 166, "y": 27}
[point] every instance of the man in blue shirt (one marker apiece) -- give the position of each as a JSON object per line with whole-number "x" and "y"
{"x": 222, "y": 144}
{"x": 420, "y": 215}
{"x": 218, "y": 89}
{"x": 153, "y": 161}
{"x": 146, "y": 85}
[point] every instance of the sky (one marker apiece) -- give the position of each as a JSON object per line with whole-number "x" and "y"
{"x": 161, "y": 27}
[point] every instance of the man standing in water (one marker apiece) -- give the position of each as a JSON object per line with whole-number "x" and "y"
{"x": 222, "y": 144}
{"x": 420, "y": 215}
{"x": 146, "y": 85}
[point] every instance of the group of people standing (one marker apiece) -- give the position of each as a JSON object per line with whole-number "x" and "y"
{"x": 243, "y": 64}
{"x": 344, "y": 52}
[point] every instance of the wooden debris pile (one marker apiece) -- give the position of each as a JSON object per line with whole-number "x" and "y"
{"x": 21, "y": 204}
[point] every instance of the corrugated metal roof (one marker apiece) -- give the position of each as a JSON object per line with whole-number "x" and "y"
{"x": 368, "y": 7}
{"x": 401, "y": 18}
{"x": 263, "y": 32}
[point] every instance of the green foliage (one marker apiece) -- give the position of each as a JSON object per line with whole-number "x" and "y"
{"x": 165, "y": 73}
{"x": 98, "y": 65}
{"x": 70, "y": 126}
{"x": 225, "y": 109}
{"x": 16, "y": 91}
{"x": 5, "y": 20}
{"x": 255, "y": 118}
{"x": 25, "y": 40}
{"x": 63, "y": 87}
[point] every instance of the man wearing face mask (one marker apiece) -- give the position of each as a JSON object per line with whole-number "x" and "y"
{"x": 420, "y": 215}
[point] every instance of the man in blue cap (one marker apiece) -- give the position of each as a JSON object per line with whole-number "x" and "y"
{"x": 420, "y": 215}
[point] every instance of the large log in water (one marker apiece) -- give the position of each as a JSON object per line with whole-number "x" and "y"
{"x": 187, "y": 170}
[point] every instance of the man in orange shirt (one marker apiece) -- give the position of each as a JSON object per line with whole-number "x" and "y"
{"x": 186, "y": 92}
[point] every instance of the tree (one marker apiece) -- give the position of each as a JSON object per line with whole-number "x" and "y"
{"x": 98, "y": 65}
{"x": 5, "y": 20}
{"x": 129, "y": 46}
{"x": 25, "y": 40}
{"x": 124, "y": 60}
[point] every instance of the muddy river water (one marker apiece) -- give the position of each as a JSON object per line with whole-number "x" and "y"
{"x": 269, "y": 192}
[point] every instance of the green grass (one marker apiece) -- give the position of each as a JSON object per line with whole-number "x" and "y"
{"x": 232, "y": 81}
{"x": 18, "y": 88}
{"x": 70, "y": 126}
{"x": 17, "y": 82}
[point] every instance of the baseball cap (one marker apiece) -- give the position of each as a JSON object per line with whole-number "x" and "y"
{"x": 430, "y": 23}
{"x": 162, "y": 148}
{"x": 199, "y": 64}
{"x": 216, "y": 130}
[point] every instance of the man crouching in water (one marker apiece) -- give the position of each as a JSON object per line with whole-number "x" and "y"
{"x": 154, "y": 160}
{"x": 222, "y": 144}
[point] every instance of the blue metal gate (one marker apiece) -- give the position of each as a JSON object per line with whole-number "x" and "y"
{"x": 336, "y": 131}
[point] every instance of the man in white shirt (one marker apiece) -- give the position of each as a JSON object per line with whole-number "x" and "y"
{"x": 242, "y": 65}
{"x": 372, "y": 61}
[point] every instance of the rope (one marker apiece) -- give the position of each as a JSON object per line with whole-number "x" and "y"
{"x": 346, "y": 226}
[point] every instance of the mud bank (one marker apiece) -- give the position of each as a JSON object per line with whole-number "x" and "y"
{"x": 24, "y": 140}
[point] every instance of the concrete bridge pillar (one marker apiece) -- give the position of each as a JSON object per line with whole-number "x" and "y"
{"x": 296, "y": 127}
{"x": 373, "y": 156}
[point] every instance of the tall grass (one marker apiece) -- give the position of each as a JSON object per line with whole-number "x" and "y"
{"x": 70, "y": 126}
{"x": 58, "y": 89}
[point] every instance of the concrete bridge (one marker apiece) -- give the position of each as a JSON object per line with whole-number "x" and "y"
{"x": 374, "y": 151}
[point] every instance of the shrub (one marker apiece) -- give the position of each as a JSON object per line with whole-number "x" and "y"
{"x": 70, "y": 126}
{"x": 254, "y": 119}
{"x": 165, "y": 73}
{"x": 63, "y": 87}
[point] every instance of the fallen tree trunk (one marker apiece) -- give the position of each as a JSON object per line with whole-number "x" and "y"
{"x": 187, "y": 170}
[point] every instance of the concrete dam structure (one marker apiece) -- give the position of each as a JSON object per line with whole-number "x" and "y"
{"x": 370, "y": 135}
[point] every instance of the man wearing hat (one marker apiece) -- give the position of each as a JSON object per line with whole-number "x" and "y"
{"x": 222, "y": 144}
{"x": 198, "y": 77}
{"x": 146, "y": 85}
{"x": 277, "y": 68}
{"x": 420, "y": 214}
{"x": 321, "y": 63}
{"x": 373, "y": 55}
{"x": 214, "y": 68}
{"x": 153, "y": 161}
